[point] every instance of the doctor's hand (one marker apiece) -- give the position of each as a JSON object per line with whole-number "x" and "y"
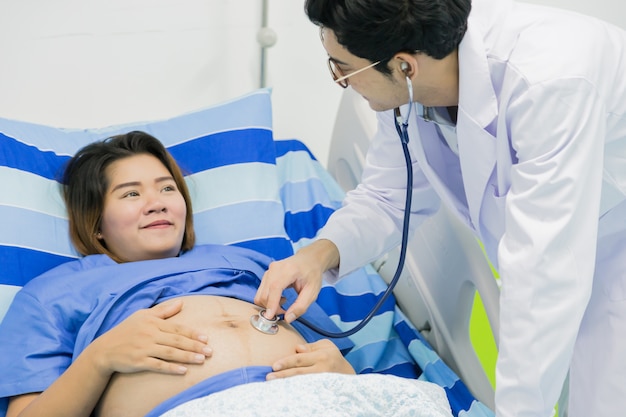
{"x": 317, "y": 357}
{"x": 303, "y": 272}
{"x": 147, "y": 341}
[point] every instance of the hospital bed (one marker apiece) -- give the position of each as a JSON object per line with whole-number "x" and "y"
{"x": 272, "y": 195}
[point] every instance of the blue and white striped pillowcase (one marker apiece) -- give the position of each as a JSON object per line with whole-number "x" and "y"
{"x": 226, "y": 150}
{"x": 309, "y": 193}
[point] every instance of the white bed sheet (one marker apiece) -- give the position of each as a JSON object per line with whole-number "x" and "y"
{"x": 328, "y": 394}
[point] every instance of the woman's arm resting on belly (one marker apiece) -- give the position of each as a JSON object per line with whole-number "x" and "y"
{"x": 145, "y": 341}
{"x": 320, "y": 356}
{"x": 148, "y": 341}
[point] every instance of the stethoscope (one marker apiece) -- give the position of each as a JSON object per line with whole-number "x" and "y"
{"x": 270, "y": 326}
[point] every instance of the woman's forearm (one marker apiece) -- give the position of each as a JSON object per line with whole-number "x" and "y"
{"x": 75, "y": 393}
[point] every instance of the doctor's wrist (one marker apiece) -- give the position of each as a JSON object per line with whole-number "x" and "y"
{"x": 324, "y": 253}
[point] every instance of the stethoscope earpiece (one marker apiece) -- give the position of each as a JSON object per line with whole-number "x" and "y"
{"x": 404, "y": 67}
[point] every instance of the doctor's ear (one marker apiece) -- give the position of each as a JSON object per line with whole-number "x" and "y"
{"x": 405, "y": 63}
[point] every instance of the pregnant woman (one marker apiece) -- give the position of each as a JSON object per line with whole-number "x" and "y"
{"x": 145, "y": 319}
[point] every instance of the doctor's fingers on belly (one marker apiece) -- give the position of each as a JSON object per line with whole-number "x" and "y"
{"x": 146, "y": 341}
{"x": 290, "y": 272}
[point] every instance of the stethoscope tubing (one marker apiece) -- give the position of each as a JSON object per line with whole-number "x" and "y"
{"x": 402, "y": 125}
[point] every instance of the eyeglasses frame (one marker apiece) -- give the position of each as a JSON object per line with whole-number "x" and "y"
{"x": 341, "y": 80}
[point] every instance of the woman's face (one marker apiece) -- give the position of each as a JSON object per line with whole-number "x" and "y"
{"x": 144, "y": 212}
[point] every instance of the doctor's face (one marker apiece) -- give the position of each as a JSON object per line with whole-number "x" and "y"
{"x": 144, "y": 212}
{"x": 382, "y": 92}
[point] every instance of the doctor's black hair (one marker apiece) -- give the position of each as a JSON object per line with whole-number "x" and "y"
{"x": 378, "y": 29}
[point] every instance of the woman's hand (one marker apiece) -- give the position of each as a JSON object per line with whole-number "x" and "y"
{"x": 147, "y": 341}
{"x": 317, "y": 357}
{"x": 302, "y": 271}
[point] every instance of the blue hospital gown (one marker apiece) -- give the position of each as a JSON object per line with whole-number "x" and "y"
{"x": 56, "y": 315}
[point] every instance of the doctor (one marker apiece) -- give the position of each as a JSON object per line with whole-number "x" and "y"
{"x": 520, "y": 129}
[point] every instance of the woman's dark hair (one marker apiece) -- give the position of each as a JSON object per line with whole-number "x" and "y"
{"x": 378, "y": 29}
{"x": 85, "y": 185}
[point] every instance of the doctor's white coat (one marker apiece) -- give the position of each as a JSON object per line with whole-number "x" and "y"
{"x": 540, "y": 177}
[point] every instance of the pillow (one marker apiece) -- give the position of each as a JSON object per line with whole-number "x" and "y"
{"x": 309, "y": 193}
{"x": 226, "y": 151}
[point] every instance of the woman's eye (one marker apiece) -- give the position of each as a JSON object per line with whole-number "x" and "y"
{"x": 169, "y": 188}
{"x": 131, "y": 194}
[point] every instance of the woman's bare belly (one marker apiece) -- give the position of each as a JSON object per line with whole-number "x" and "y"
{"x": 235, "y": 344}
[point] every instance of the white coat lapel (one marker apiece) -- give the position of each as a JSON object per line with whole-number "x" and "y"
{"x": 439, "y": 165}
{"x": 478, "y": 109}
{"x": 477, "y": 150}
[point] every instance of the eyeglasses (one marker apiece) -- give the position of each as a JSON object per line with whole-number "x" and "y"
{"x": 338, "y": 75}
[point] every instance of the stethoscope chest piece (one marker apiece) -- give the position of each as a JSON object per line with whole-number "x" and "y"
{"x": 263, "y": 324}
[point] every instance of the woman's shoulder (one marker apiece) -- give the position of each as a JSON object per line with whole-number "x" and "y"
{"x": 68, "y": 269}
{"x": 233, "y": 256}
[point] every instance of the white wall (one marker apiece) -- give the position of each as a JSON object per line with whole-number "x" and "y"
{"x": 613, "y": 11}
{"x": 77, "y": 63}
